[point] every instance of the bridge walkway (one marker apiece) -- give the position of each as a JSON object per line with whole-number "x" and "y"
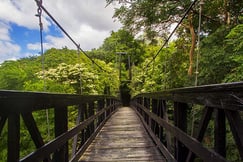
{"x": 123, "y": 138}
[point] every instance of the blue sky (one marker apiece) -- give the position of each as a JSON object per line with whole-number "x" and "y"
{"x": 87, "y": 21}
{"x": 25, "y": 37}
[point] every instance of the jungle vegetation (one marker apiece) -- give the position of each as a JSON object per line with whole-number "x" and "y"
{"x": 146, "y": 26}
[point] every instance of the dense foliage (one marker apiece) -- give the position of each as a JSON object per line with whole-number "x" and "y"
{"x": 66, "y": 71}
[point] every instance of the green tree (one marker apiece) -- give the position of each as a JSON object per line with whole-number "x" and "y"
{"x": 120, "y": 41}
{"x": 107, "y": 78}
{"x": 82, "y": 78}
{"x": 214, "y": 63}
{"x": 167, "y": 71}
{"x": 12, "y": 76}
{"x": 48, "y": 86}
{"x": 155, "y": 18}
{"x": 78, "y": 76}
{"x": 234, "y": 47}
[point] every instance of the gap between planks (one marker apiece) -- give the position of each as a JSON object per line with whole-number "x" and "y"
{"x": 123, "y": 138}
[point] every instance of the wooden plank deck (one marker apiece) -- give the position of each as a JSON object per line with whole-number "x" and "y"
{"x": 123, "y": 138}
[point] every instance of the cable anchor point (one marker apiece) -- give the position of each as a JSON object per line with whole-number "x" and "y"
{"x": 39, "y": 12}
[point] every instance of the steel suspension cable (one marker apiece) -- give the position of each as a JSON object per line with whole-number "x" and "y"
{"x": 201, "y": 3}
{"x": 39, "y": 14}
{"x": 80, "y": 75}
{"x": 172, "y": 33}
{"x": 68, "y": 35}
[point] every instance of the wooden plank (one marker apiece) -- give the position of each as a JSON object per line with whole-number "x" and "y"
{"x": 123, "y": 138}
{"x": 84, "y": 146}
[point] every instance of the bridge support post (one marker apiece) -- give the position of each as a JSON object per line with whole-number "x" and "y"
{"x": 108, "y": 103}
{"x": 164, "y": 115}
{"x": 180, "y": 119}
{"x": 13, "y": 137}
{"x": 154, "y": 125}
{"x": 139, "y": 101}
{"x": 160, "y": 113}
{"x": 147, "y": 105}
{"x": 101, "y": 105}
{"x": 75, "y": 138}
{"x": 91, "y": 127}
{"x": 2, "y": 122}
{"x": 83, "y": 117}
{"x": 220, "y": 132}
{"x": 61, "y": 126}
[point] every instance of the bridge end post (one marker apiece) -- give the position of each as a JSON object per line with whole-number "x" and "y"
{"x": 180, "y": 120}
{"x": 220, "y": 132}
{"x": 61, "y": 126}
{"x": 13, "y": 137}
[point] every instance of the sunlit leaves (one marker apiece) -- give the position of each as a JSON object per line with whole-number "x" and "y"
{"x": 120, "y": 41}
{"x": 234, "y": 48}
{"x": 235, "y": 39}
{"x": 12, "y": 76}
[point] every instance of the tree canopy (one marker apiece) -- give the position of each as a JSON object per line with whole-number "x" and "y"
{"x": 120, "y": 41}
{"x": 67, "y": 71}
{"x": 155, "y": 18}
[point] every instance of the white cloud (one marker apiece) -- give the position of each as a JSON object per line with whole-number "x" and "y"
{"x": 8, "y": 51}
{"x": 20, "y": 12}
{"x": 87, "y": 21}
{"x": 72, "y": 14}
{"x": 90, "y": 38}
{"x": 4, "y": 32}
{"x": 51, "y": 42}
{"x": 33, "y": 46}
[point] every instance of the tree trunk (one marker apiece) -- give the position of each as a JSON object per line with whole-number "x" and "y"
{"x": 226, "y": 13}
{"x": 193, "y": 44}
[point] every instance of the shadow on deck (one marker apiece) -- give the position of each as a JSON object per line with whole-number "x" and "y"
{"x": 123, "y": 138}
